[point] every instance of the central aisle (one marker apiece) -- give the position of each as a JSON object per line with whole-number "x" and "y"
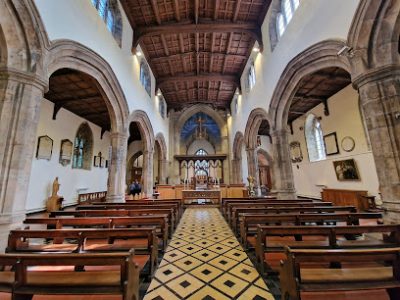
{"x": 205, "y": 261}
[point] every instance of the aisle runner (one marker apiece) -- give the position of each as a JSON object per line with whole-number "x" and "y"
{"x": 205, "y": 261}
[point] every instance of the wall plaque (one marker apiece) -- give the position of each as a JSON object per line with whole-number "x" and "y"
{"x": 65, "y": 152}
{"x": 44, "y": 147}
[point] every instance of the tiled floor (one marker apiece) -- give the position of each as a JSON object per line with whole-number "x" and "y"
{"x": 204, "y": 261}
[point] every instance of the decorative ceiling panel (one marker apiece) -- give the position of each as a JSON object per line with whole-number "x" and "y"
{"x": 197, "y": 49}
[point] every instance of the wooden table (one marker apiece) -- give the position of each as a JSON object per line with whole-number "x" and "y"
{"x": 213, "y": 195}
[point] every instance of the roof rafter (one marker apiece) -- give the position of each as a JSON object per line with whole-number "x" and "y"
{"x": 251, "y": 29}
{"x": 201, "y": 77}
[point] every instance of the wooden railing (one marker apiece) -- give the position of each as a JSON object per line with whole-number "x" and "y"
{"x": 92, "y": 197}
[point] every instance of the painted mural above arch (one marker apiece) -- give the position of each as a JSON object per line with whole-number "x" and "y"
{"x": 208, "y": 123}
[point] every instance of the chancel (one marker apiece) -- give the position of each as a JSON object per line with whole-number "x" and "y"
{"x": 203, "y": 149}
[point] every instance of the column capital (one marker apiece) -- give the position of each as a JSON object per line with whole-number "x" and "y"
{"x": 24, "y": 77}
{"x": 376, "y": 74}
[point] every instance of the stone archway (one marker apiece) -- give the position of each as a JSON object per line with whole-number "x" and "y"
{"x": 22, "y": 84}
{"x": 375, "y": 58}
{"x": 237, "y": 170}
{"x": 179, "y": 119}
{"x": 72, "y": 55}
{"x": 161, "y": 147}
{"x": 317, "y": 57}
{"x": 256, "y": 117}
{"x": 147, "y": 134}
{"x": 264, "y": 172}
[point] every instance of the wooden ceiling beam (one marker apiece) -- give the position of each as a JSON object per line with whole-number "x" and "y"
{"x": 204, "y": 89}
{"x": 197, "y": 41}
{"x": 251, "y": 29}
{"x": 164, "y": 43}
{"x": 216, "y": 6}
{"x": 237, "y": 9}
{"x": 154, "y": 6}
{"x": 75, "y": 99}
{"x": 176, "y": 10}
{"x": 215, "y": 54}
{"x": 201, "y": 77}
{"x": 196, "y": 11}
{"x": 181, "y": 43}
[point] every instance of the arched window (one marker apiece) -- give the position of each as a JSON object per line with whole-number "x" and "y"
{"x": 145, "y": 78}
{"x": 314, "y": 139}
{"x": 109, "y": 11}
{"x": 83, "y": 148}
{"x": 251, "y": 77}
{"x": 162, "y": 106}
{"x": 201, "y": 152}
{"x": 283, "y": 18}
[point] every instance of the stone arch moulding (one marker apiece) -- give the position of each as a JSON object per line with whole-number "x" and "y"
{"x": 237, "y": 171}
{"x": 163, "y": 163}
{"x": 319, "y": 56}
{"x": 25, "y": 47}
{"x": 145, "y": 128}
{"x": 147, "y": 134}
{"x": 160, "y": 140}
{"x": 72, "y": 55}
{"x": 374, "y": 35}
{"x": 254, "y": 121}
{"x": 187, "y": 113}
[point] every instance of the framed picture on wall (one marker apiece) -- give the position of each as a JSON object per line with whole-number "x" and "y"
{"x": 65, "y": 152}
{"x": 331, "y": 144}
{"x": 44, "y": 147}
{"x": 295, "y": 152}
{"x": 346, "y": 170}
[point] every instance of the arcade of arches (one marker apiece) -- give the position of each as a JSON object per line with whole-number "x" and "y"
{"x": 251, "y": 99}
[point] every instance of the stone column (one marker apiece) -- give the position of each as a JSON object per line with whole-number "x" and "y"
{"x": 163, "y": 165}
{"x": 147, "y": 173}
{"x": 234, "y": 176}
{"x": 282, "y": 166}
{"x": 20, "y": 98}
{"x": 252, "y": 165}
{"x": 117, "y": 169}
{"x": 380, "y": 100}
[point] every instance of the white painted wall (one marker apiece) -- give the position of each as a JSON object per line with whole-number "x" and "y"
{"x": 345, "y": 120}
{"x": 78, "y": 20}
{"x": 314, "y": 21}
{"x": 200, "y": 144}
{"x": 44, "y": 172}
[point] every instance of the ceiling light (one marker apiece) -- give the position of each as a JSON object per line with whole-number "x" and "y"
{"x": 138, "y": 53}
{"x": 159, "y": 93}
{"x": 256, "y": 49}
{"x": 237, "y": 92}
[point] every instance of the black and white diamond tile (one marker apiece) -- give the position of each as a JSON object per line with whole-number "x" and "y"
{"x": 205, "y": 261}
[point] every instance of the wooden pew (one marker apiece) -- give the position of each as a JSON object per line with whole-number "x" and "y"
{"x": 119, "y": 213}
{"x": 237, "y": 211}
{"x": 271, "y": 240}
{"x": 159, "y": 221}
{"x": 178, "y": 203}
{"x": 308, "y": 271}
{"x": 282, "y": 202}
{"x": 249, "y": 222}
{"x": 142, "y": 240}
{"x": 130, "y": 207}
{"x": 231, "y": 206}
{"x": 23, "y": 276}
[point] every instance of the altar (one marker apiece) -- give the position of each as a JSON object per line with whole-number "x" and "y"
{"x": 213, "y": 195}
